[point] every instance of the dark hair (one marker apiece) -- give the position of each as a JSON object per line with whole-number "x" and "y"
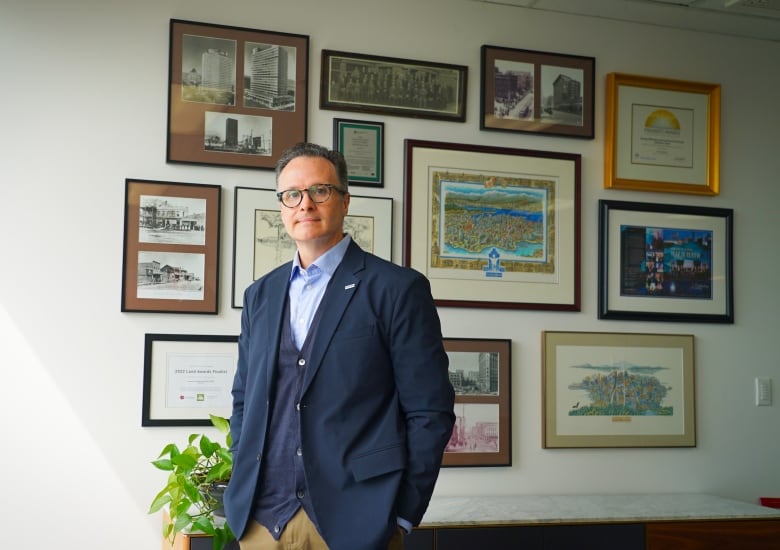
{"x": 313, "y": 150}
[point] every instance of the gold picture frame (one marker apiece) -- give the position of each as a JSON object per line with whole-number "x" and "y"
{"x": 662, "y": 135}
{"x": 605, "y": 389}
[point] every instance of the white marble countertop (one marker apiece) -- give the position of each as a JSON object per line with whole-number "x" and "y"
{"x": 551, "y": 509}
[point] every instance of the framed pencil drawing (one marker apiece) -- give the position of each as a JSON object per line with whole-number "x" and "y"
{"x": 536, "y": 92}
{"x": 260, "y": 242}
{"x": 605, "y": 389}
{"x": 236, "y": 96}
{"x": 187, "y": 377}
{"x": 362, "y": 143}
{"x": 392, "y": 86}
{"x": 662, "y": 135}
{"x": 494, "y": 227}
{"x": 480, "y": 370}
{"x": 665, "y": 262}
{"x": 171, "y": 247}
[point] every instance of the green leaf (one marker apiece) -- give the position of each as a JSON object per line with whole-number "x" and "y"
{"x": 159, "y": 501}
{"x": 220, "y": 423}
{"x": 163, "y": 464}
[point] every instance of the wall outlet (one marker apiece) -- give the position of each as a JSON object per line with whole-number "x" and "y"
{"x": 763, "y": 391}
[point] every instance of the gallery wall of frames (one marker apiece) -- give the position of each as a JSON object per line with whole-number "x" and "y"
{"x": 490, "y": 227}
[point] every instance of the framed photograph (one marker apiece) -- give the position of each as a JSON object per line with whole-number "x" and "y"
{"x": 494, "y": 227}
{"x": 362, "y": 143}
{"x": 187, "y": 377}
{"x": 261, "y": 243}
{"x": 480, "y": 370}
{"x": 536, "y": 92}
{"x": 662, "y": 135}
{"x": 236, "y": 97}
{"x": 171, "y": 247}
{"x": 665, "y": 262}
{"x": 391, "y": 86}
{"x": 617, "y": 390}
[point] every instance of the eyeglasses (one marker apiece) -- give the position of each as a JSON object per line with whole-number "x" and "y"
{"x": 319, "y": 193}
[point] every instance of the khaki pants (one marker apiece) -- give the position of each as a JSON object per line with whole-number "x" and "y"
{"x": 299, "y": 534}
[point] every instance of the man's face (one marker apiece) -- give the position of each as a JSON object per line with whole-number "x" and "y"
{"x": 313, "y": 224}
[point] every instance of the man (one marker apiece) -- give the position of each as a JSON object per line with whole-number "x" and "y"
{"x": 342, "y": 404}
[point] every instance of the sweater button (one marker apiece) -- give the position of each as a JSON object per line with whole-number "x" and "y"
{"x": 301, "y": 362}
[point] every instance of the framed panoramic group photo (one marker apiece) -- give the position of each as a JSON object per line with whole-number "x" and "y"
{"x": 480, "y": 370}
{"x": 171, "y": 247}
{"x": 665, "y": 262}
{"x": 536, "y": 92}
{"x": 605, "y": 389}
{"x": 392, "y": 86}
{"x": 662, "y": 135}
{"x": 236, "y": 96}
{"x": 494, "y": 227}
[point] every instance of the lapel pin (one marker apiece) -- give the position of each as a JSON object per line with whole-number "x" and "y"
{"x": 349, "y": 286}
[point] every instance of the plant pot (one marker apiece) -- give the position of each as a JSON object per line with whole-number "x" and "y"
{"x": 215, "y": 491}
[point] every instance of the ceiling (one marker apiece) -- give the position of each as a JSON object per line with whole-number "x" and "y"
{"x": 759, "y": 19}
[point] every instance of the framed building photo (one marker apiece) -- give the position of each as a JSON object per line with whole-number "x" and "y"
{"x": 363, "y": 144}
{"x": 494, "y": 227}
{"x": 480, "y": 371}
{"x": 236, "y": 96}
{"x": 618, "y": 390}
{"x": 662, "y": 135}
{"x": 187, "y": 377}
{"x": 665, "y": 262}
{"x": 536, "y": 92}
{"x": 391, "y": 86}
{"x": 171, "y": 247}
{"x": 261, "y": 243}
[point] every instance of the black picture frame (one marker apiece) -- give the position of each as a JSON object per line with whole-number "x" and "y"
{"x": 171, "y": 247}
{"x": 362, "y": 143}
{"x": 537, "y": 92}
{"x": 217, "y": 114}
{"x": 665, "y": 262}
{"x": 200, "y": 366}
{"x": 393, "y": 86}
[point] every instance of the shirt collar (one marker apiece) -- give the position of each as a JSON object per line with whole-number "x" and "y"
{"x": 328, "y": 262}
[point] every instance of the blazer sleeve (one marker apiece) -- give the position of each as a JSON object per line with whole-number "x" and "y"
{"x": 425, "y": 393}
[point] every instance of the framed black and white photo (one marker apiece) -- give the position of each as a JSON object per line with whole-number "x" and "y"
{"x": 171, "y": 247}
{"x": 537, "y": 92}
{"x": 236, "y": 96}
{"x": 187, "y": 377}
{"x": 391, "y": 86}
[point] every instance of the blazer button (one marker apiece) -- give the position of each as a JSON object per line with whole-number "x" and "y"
{"x": 299, "y": 451}
{"x": 301, "y": 362}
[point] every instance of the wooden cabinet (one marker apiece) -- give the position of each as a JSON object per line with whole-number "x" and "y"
{"x": 584, "y": 522}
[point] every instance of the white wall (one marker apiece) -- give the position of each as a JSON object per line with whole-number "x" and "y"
{"x": 83, "y": 106}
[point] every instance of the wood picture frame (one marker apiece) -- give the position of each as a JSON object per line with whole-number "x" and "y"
{"x": 171, "y": 247}
{"x": 392, "y": 86}
{"x": 480, "y": 371}
{"x": 363, "y": 145}
{"x": 462, "y": 229}
{"x": 261, "y": 243}
{"x": 662, "y": 135}
{"x": 604, "y": 389}
{"x": 236, "y": 97}
{"x": 536, "y": 92}
{"x": 665, "y": 262}
{"x": 187, "y": 377}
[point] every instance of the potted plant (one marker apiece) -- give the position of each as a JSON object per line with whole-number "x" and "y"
{"x": 193, "y": 494}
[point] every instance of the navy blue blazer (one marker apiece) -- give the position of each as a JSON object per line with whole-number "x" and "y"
{"x": 377, "y": 405}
